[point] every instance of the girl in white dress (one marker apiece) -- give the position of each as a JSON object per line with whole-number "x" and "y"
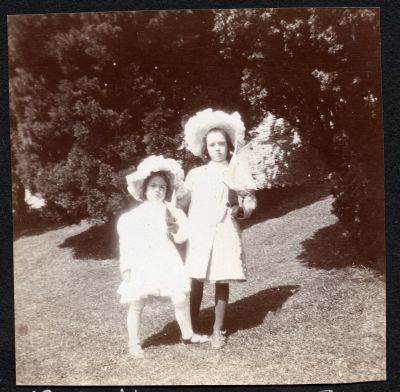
{"x": 214, "y": 249}
{"x": 149, "y": 261}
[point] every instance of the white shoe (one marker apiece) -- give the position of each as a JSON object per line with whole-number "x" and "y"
{"x": 196, "y": 339}
{"x": 136, "y": 351}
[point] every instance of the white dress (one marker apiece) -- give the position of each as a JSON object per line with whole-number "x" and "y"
{"x": 214, "y": 249}
{"x": 146, "y": 249}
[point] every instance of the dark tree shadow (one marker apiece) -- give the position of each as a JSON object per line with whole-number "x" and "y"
{"x": 273, "y": 203}
{"x": 331, "y": 248}
{"x": 36, "y": 228}
{"x": 34, "y": 223}
{"x": 99, "y": 242}
{"x": 246, "y": 313}
{"x": 39, "y": 221}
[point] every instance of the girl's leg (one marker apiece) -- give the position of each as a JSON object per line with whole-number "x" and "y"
{"x": 196, "y": 296}
{"x": 218, "y": 339}
{"x": 221, "y": 302}
{"x": 133, "y": 321}
{"x": 182, "y": 314}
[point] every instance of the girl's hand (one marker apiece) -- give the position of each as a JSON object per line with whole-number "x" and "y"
{"x": 236, "y": 212}
{"x": 172, "y": 226}
{"x": 126, "y": 275}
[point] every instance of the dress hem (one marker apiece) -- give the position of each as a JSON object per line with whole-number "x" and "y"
{"x": 204, "y": 280}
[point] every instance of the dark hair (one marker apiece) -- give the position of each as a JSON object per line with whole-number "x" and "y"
{"x": 167, "y": 179}
{"x": 204, "y": 152}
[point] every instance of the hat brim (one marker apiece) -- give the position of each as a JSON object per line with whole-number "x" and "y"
{"x": 199, "y": 125}
{"x": 149, "y": 166}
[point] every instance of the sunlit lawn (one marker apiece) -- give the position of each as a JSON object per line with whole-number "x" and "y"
{"x": 305, "y": 315}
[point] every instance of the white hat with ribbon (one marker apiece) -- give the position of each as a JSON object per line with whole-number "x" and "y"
{"x": 202, "y": 122}
{"x": 154, "y": 164}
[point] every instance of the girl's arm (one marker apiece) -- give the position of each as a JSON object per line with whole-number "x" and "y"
{"x": 182, "y": 233}
{"x": 183, "y": 200}
{"x": 126, "y": 254}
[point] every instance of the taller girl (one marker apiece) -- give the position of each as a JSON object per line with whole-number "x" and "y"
{"x": 214, "y": 250}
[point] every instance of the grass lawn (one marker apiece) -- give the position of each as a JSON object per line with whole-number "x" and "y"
{"x": 309, "y": 312}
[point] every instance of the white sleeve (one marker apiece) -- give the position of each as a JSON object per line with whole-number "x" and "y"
{"x": 182, "y": 234}
{"x": 190, "y": 179}
{"x": 126, "y": 243}
{"x": 184, "y": 200}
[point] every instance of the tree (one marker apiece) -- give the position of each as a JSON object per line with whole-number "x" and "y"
{"x": 281, "y": 156}
{"x": 319, "y": 69}
{"x": 98, "y": 92}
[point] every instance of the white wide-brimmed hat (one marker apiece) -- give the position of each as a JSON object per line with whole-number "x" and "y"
{"x": 198, "y": 126}
{"x": 154, "y": 164}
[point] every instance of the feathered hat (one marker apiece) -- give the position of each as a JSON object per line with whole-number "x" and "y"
{"x": 198, "y": 126}
{"x": 154, "y": 164}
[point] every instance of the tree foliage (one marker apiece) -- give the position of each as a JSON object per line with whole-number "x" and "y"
{"x": 281, "y": 155}
{"x": 91, "y": 94}
{"x": 97, "y": 92}
{"x": 320, "y": 70}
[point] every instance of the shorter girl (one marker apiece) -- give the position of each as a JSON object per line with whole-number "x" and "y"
{"x": 149, "y": 261}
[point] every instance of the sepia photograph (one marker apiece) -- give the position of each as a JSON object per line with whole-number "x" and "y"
{"x": 198, "y": 197}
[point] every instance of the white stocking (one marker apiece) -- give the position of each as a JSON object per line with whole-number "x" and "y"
{"x": 133, "y": 321}
{"x": 182, "y": 314}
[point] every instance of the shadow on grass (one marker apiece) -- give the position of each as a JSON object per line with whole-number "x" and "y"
{"x": 273, "y": 203}
{"x": 20, "y": 230}
{"x": 99, "y": 242}
{"x": 245, "y": 313}
{"x": 38, "y": 221}
{"x": 331, "y": 248}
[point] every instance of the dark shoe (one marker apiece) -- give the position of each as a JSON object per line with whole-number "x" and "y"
{"x": 218, "y": 339}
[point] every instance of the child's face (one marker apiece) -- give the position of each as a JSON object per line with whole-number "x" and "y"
{"x": 156, "y": 189}
{"x": 217, "y": 146}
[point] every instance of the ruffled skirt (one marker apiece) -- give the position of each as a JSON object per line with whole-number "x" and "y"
{"x": 164, "y": 276}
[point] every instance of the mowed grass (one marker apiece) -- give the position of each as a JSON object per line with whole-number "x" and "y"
{"x": 309, "y": 312}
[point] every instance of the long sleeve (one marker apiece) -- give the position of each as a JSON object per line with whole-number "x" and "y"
{"x": 126, "y": 250}
{"x": 184, "y": 200}
{"x": 183, "y": 226}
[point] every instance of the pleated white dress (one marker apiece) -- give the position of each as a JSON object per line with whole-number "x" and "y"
{"x": 147, "y": 250}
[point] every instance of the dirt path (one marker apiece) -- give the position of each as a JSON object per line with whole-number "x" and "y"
{"x": 302, "y": 317}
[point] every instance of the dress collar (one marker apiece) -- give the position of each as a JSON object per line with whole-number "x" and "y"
{"x": 217, "y": 165}
{"x": 153, "y": 204}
